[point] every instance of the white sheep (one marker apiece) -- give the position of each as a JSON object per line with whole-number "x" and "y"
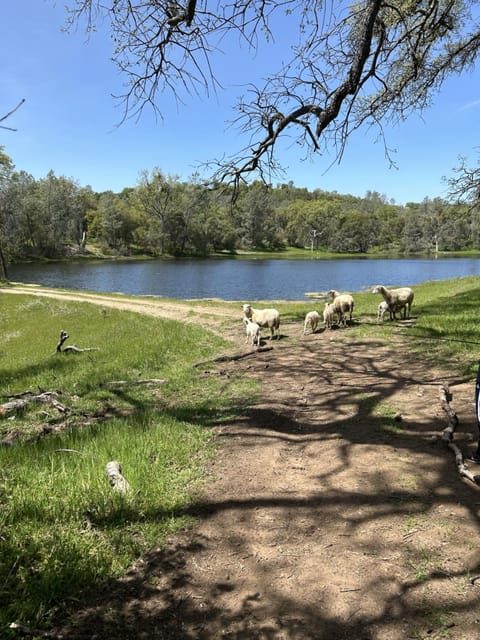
{"x": 264, "y": 318}
{"x": 253, "y": 332}
{"x": 343, "y": 303}
{"x": 382, "y": 309}
{"x": 396, "y": 299}
{"x": 328, "y": 315}
{"x": 311, "y": 321}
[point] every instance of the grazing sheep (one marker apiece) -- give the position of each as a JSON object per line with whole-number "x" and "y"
{"x": 382, "y": 309}
{"x": 311, "y": 320}
{"x": 253, "y": 332}
{"x": 264, "y": 318}
{"x": 396, "y": 299}
{"x": 328, "y": 315}
{"x": 342, "y": 304}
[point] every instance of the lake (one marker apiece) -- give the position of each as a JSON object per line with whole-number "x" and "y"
{"x": 244, "y": 279}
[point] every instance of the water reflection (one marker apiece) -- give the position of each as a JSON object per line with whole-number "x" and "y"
{"x": 241, "y": 279}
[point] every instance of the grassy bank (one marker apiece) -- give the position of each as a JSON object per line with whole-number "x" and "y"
{"x": 445, "y": 321}
{"x": 63, "y": 531}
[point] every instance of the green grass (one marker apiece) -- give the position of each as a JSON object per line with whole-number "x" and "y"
{"x": 445, "y": 321}
{"x": 445, "y": 326}
{"x": 63, "y": 531}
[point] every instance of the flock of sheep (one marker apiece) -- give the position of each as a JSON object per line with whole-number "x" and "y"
{"x": 341, "y": 306}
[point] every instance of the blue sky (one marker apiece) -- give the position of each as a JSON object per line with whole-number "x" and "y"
{"x": 68, "y": 122}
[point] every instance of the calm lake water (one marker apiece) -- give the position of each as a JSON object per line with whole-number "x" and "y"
{"x": 244, "y": 279}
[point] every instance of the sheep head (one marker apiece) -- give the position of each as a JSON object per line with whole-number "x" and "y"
{"x": 247, "y": 310}
{"x": 332, "y": 293}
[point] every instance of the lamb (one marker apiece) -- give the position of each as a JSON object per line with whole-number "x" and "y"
{"x": 328, "y": 314}
{"x": 382, "y": 309}
{"x": 396, "y": 299}
{"x": 264, "y": 318}
{"x": 253, "y": 332}
{"x": 311, "y": 320}
{"x": 342, "y": 303}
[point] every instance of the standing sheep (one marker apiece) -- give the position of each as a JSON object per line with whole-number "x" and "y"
{"x": 342, "y": 304}
{"x": 311, "y": 320}
{"x": 396, "y": 299}
{"x": 253, "y": 332}
{"x": 382, "y": 309}
{"x": 264, "y": 318}
{"x": 328, "y": 314}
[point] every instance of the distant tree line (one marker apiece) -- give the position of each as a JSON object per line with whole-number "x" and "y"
{"x": 54, "y": 217}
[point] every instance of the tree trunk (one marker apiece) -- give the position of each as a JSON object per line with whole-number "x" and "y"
{"x": 3, "y": 265}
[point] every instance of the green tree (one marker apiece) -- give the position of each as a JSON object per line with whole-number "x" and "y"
{"x": 115, "y": 226}
{"x": 256, "y": 218}
{"x": 355, "y": 233}
{"x": 159, "y": 196}
{"x": 6, "y": 167}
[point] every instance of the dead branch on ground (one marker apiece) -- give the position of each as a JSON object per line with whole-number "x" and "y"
{"x": 447, "y": 435}
{"x": 47, "y": 397}
{"x": 122, "y": 383}
{"x": 71, "y": 348}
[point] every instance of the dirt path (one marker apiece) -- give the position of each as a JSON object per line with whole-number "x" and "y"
{"x": 331, "y": 512}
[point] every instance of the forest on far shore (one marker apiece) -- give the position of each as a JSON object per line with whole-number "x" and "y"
{"x": 55, "y": 217}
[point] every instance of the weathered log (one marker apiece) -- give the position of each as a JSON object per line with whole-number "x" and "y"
{"x": 121, "y": 383}
{"x": 462, "y": 468}
{"x": 63, "y": 336}
{"x": 448, "y": 433}
{"x": 71, "y": 348}
{"x": 47, "y": 397}
{"x": 114, "y": 474}
{"x": 445, "y": 397}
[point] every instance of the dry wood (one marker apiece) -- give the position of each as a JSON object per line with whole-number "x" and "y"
{"x": 447, "y": 436}
{"x": 114, "y": 474}
{"x": 47, "y": 397}
{"x": 462, "y": 468}
{"x": 445, "y": 397}
{"x": 120, "y": 383}
{"x": 71, "y": 348}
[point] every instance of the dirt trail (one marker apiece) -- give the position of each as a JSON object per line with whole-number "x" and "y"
{"x": 331, "y": 512}
{"x": 154, "y": 306}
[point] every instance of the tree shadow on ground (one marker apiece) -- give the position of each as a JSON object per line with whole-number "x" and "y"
{"x": 327, "y": 517}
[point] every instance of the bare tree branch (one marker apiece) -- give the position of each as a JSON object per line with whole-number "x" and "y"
{"x": 351, "y": 65}
{"x": 7, "y": 115}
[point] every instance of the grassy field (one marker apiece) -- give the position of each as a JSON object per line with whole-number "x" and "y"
{"x": 63, "y": 531}
{"x": 445, "y": 321}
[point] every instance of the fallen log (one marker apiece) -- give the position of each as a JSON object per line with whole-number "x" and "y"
{"x": 47, "y": 397}
{"x": 448, "y": 433}
{"x": 461, "y": 466}
{"x": 445, "y": 397}
{"x": 71, "y": 348}
{"x": 122, "y": 383}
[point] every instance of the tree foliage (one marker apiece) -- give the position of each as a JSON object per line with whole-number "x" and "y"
{"x": 54, "y": 217}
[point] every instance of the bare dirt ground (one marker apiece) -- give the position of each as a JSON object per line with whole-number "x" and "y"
{"x": 332, "y": 511}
